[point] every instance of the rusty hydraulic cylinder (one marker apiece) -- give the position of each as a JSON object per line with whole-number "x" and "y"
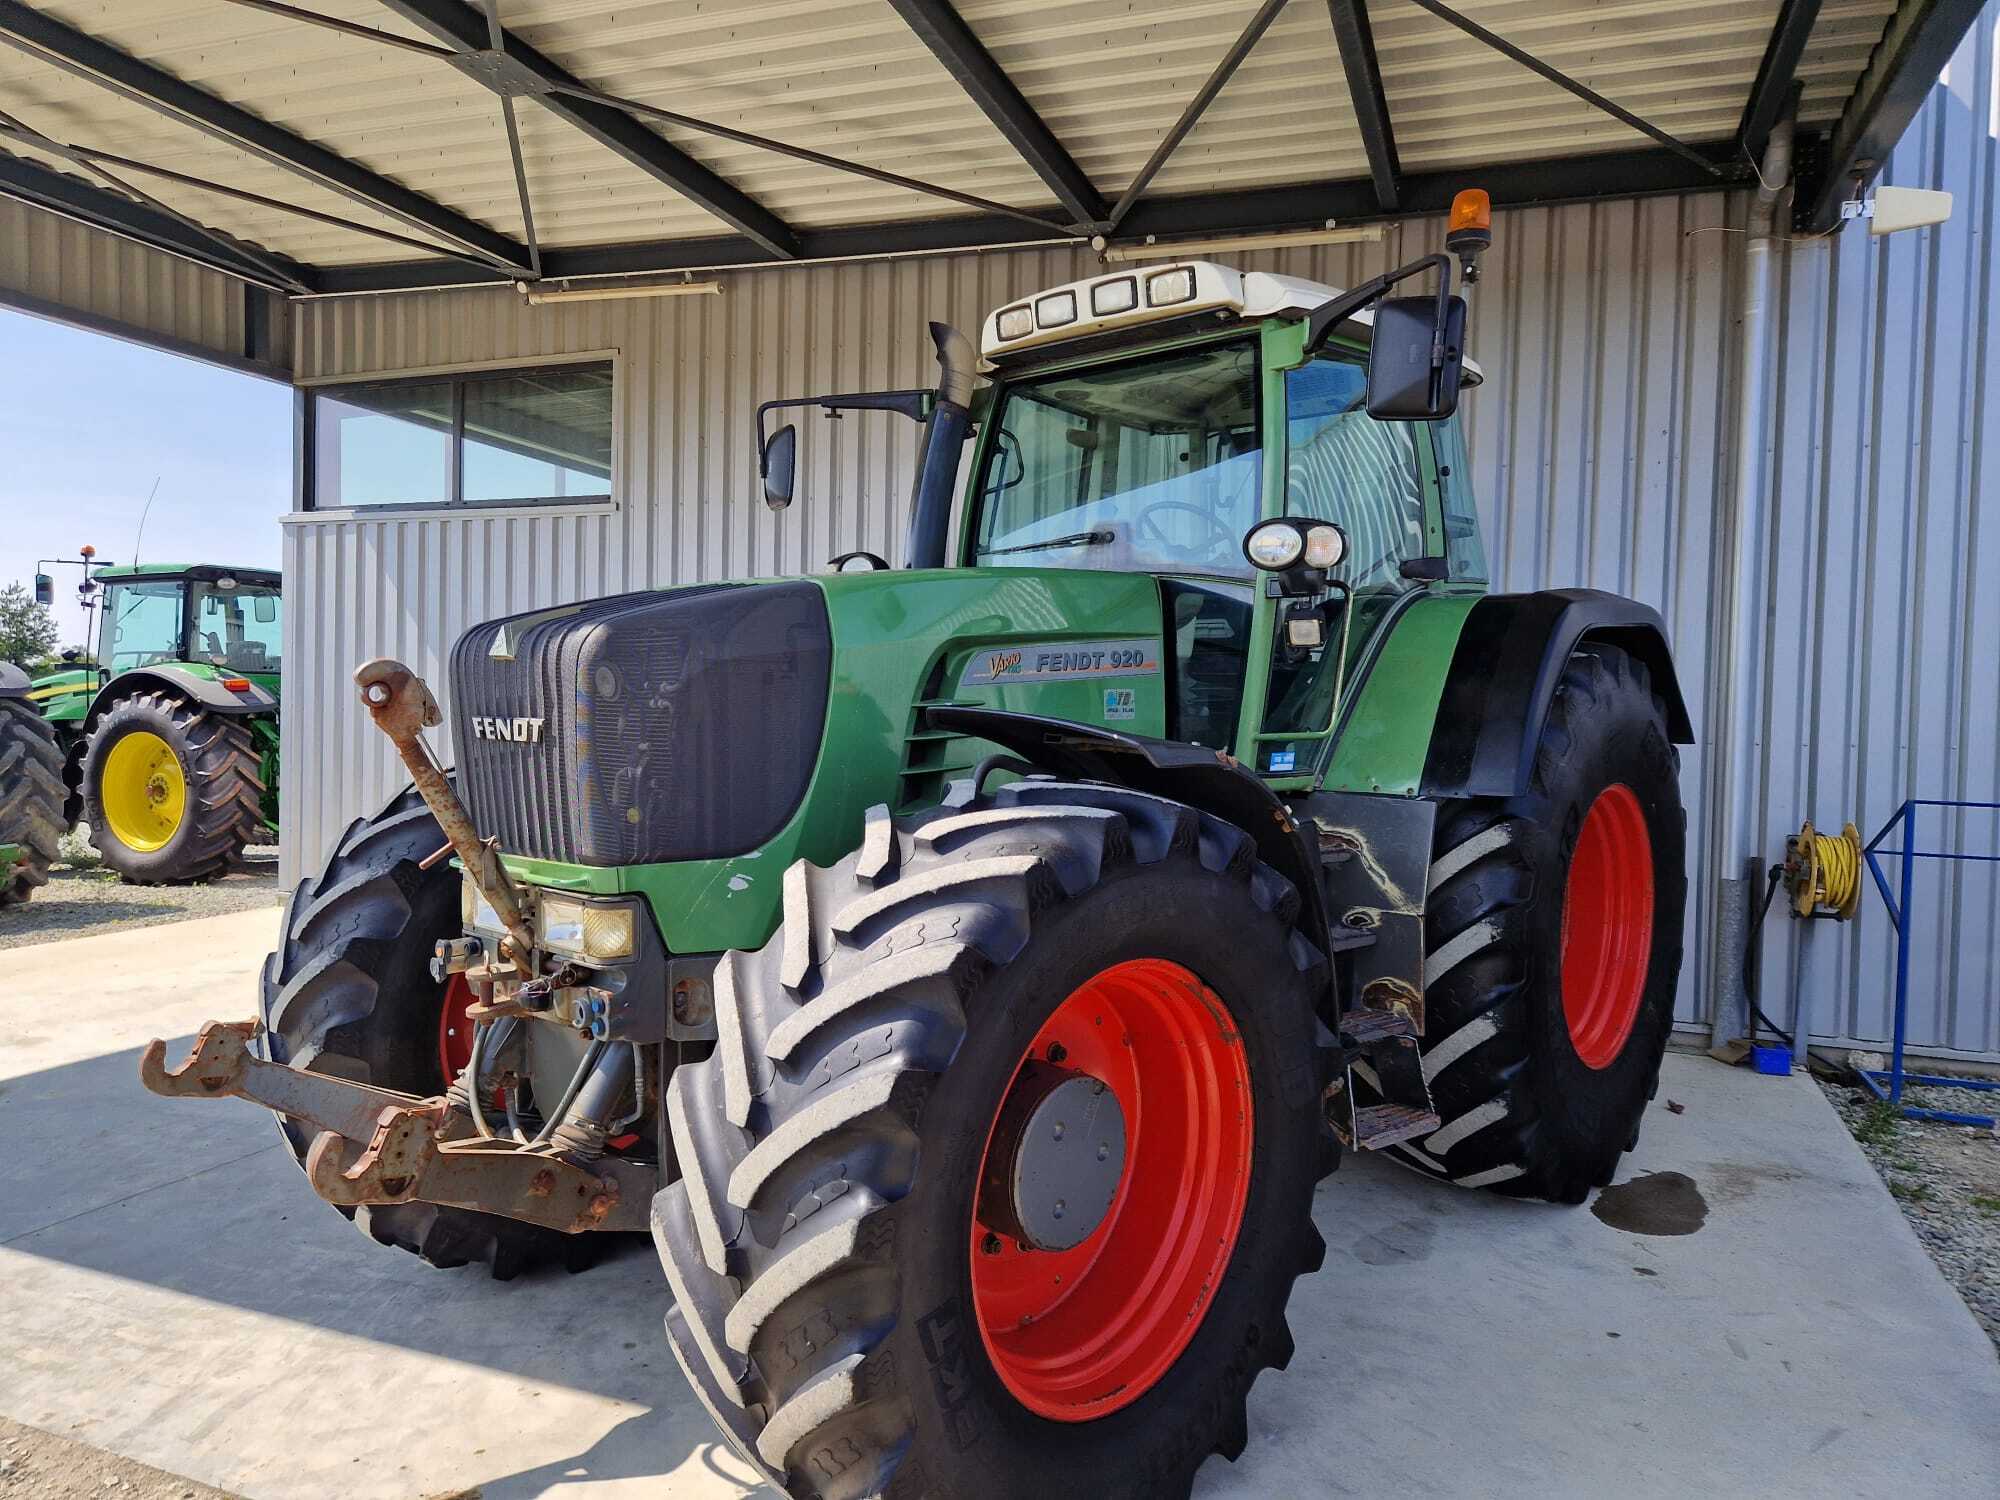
{"x": 402, "y": 708}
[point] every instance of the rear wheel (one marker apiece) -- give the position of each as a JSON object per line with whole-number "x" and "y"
{"x": 349, "y": 992}
{"x": 1553, "y": 937}
{"x": 172, "y": 793}
{"x": 31, "y": 798}
{"x": 1002, "y": 1169}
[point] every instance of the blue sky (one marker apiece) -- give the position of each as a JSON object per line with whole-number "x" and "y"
{"x": 86, "y": 424}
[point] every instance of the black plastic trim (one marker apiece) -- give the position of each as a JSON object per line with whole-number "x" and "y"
{"x": 1503, "y": 678}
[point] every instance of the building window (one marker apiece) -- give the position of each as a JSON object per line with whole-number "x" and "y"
{"x": 509, "y": 437}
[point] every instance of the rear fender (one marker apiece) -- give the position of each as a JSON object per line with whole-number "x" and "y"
{"x": 178, "y": 682}
{"x": 1504, "y": 673}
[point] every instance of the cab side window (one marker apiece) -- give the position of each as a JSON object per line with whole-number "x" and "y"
{"x": 1462, "y": 549}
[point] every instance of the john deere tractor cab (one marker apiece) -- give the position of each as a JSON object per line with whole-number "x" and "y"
{"x": 966, "y": 970}
{"x": 170, "y": 735}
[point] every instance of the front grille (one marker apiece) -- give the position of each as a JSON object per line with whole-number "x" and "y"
{"x": 673, "y": 725}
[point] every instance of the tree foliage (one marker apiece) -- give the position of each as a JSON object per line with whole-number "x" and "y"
{"x": 27, "y": 629}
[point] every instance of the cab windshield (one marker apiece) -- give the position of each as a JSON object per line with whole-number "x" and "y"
{"x": 1149, "y": 467}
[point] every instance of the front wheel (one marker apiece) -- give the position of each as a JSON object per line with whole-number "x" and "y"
{"x": 1002, "y": 1169}
{"x": 1553, "y": 946}
{"x": 171, "y": 792}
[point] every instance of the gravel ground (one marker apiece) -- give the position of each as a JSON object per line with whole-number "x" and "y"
{"x": 82, "y": 897}
{"x": 37, "y": 1465}
{"x": 1947, "y": 1179}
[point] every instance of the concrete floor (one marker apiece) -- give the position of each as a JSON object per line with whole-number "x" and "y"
{"x": 170, "y": 1291}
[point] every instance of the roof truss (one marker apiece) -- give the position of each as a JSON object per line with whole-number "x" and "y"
{"x": 470, "y": 38}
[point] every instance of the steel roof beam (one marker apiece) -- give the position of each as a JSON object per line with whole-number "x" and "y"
{"x": 1364, "y": 90}
{"x": 951, "y": 41}
{"x": 85, "y": 56}
{"x": 520, "y": 70}
{"x": 1918, "y": 42}
{"x": 1775, "y": 75}
{"x": 71, "y": 197}
{"x": 1614, "y": 174}
{"x": 1196, "y": 107}
{"x": 1561, "y": 80}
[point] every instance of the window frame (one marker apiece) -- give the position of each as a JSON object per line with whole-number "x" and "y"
{"x": 456, "y": 378}
{"x": 987, "y": 445}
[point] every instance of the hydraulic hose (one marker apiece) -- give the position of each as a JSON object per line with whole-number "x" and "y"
{"x": 555, "y": 1116}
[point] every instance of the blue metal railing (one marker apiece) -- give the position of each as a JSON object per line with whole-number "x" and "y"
{"x": 1887, "y": 1084}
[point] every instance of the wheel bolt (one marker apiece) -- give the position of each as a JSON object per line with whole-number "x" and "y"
{"x": 990, "y": 1245}
{"x": 1057, "y": 1052}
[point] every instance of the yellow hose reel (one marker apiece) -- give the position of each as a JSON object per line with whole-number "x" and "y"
{"x": 1823, "y": 873}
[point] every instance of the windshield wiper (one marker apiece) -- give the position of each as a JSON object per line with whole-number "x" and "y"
{"x": 1074, "y": 539}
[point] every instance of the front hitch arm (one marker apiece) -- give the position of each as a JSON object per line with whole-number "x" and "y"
{"x": 377, "y": 1146}
{"x": 402, "y": 708}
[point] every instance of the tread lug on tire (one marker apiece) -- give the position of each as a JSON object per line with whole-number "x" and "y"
{"x": 820, "y": 1242}
{"x": 1523, "y": 1113}
{"x": 31, "y": 797}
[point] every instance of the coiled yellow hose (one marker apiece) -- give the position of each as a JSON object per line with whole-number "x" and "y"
{"x": 1824, "y": 872}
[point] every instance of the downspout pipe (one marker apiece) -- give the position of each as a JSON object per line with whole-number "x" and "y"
{"x": 936, "y": 489}
{"x": 1741, "y": 856}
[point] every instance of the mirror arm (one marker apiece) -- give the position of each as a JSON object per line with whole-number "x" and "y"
{"x": 1323, "y": 320}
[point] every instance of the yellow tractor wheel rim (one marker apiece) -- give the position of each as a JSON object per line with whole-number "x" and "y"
{"x": 143, "y": 791}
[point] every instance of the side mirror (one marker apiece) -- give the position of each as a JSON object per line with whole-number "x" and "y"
{"x": 45, "y": 589}
{"x": 263, "y": 609}
{"x": 1403, "y": 385}
{"x": 778, "y": 464}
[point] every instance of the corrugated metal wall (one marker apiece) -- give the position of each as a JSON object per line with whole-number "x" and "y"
{"x": 1602, "y": 443}
{"x": 62, "y": 269}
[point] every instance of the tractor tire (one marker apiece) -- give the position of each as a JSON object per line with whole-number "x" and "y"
{"x": 349, "y": 992}
{"x": 835, "y": 1305}
{"x": 1553, "y": 947}
{"x": 171, "y": 792}
{"x": 31, "y": 798}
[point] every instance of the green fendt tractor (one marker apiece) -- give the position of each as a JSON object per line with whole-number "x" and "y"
{"x": 31, "y": 790}
{"x": 966, "y": 971}
{"x": 170, "y": 736}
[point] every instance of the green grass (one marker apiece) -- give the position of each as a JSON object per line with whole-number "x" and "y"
{"x": 1986, "y": 1203}
{"x": 1879, "y": 1126}
{"x": 1911, "y": 1192}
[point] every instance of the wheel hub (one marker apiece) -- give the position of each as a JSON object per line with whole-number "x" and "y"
{"x": 1057, "y": 1158}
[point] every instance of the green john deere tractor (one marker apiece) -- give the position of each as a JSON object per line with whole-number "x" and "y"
{"x": 170, "y": 737}
{"x": 967, "y": 970}
{"x": 31, "y": 790}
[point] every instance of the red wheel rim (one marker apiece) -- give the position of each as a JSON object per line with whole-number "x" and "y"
{"x": 1607, "y": 926}
{"x": 1076, "y": 1334}
{"x": 454, "y": 1030}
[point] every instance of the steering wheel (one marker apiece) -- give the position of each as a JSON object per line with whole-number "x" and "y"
{"x": 1219, "y": 538}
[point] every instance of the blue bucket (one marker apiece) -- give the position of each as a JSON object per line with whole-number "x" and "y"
{"x": 1774, "y": 1060}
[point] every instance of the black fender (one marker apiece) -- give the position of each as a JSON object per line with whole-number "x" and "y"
{"x": 178, "y": 682}
{"x": 1503, "y": 677}
{"x": 1202, "y": 778}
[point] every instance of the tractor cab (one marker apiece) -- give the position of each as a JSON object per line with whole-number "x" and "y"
{"x": 226, "y": 619}
{"x": 1155, "y": 422}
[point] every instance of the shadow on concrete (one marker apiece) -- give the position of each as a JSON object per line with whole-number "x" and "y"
{"x": 203, "y": 1199}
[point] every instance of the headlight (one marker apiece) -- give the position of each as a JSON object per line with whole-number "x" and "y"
{"x": 1054, "y": 311}
{"x": 476, "y": 910}
{"x": 1274, "y": 545}
{"x": 583, "y": 929}
{"x": 1169, "y": 287}
{"x": 1325, "y": 546}
{"x": 1109, "y": 297}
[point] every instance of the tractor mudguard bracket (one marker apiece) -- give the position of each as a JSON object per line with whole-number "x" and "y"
{"x": 378, "y": 1146}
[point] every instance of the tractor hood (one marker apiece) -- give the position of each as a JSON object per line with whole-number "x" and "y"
{"x": 690, "y": 743}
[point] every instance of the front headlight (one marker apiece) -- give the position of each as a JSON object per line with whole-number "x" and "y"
{"x": 583, "y": 929}
{"x": 476, "y": 910}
